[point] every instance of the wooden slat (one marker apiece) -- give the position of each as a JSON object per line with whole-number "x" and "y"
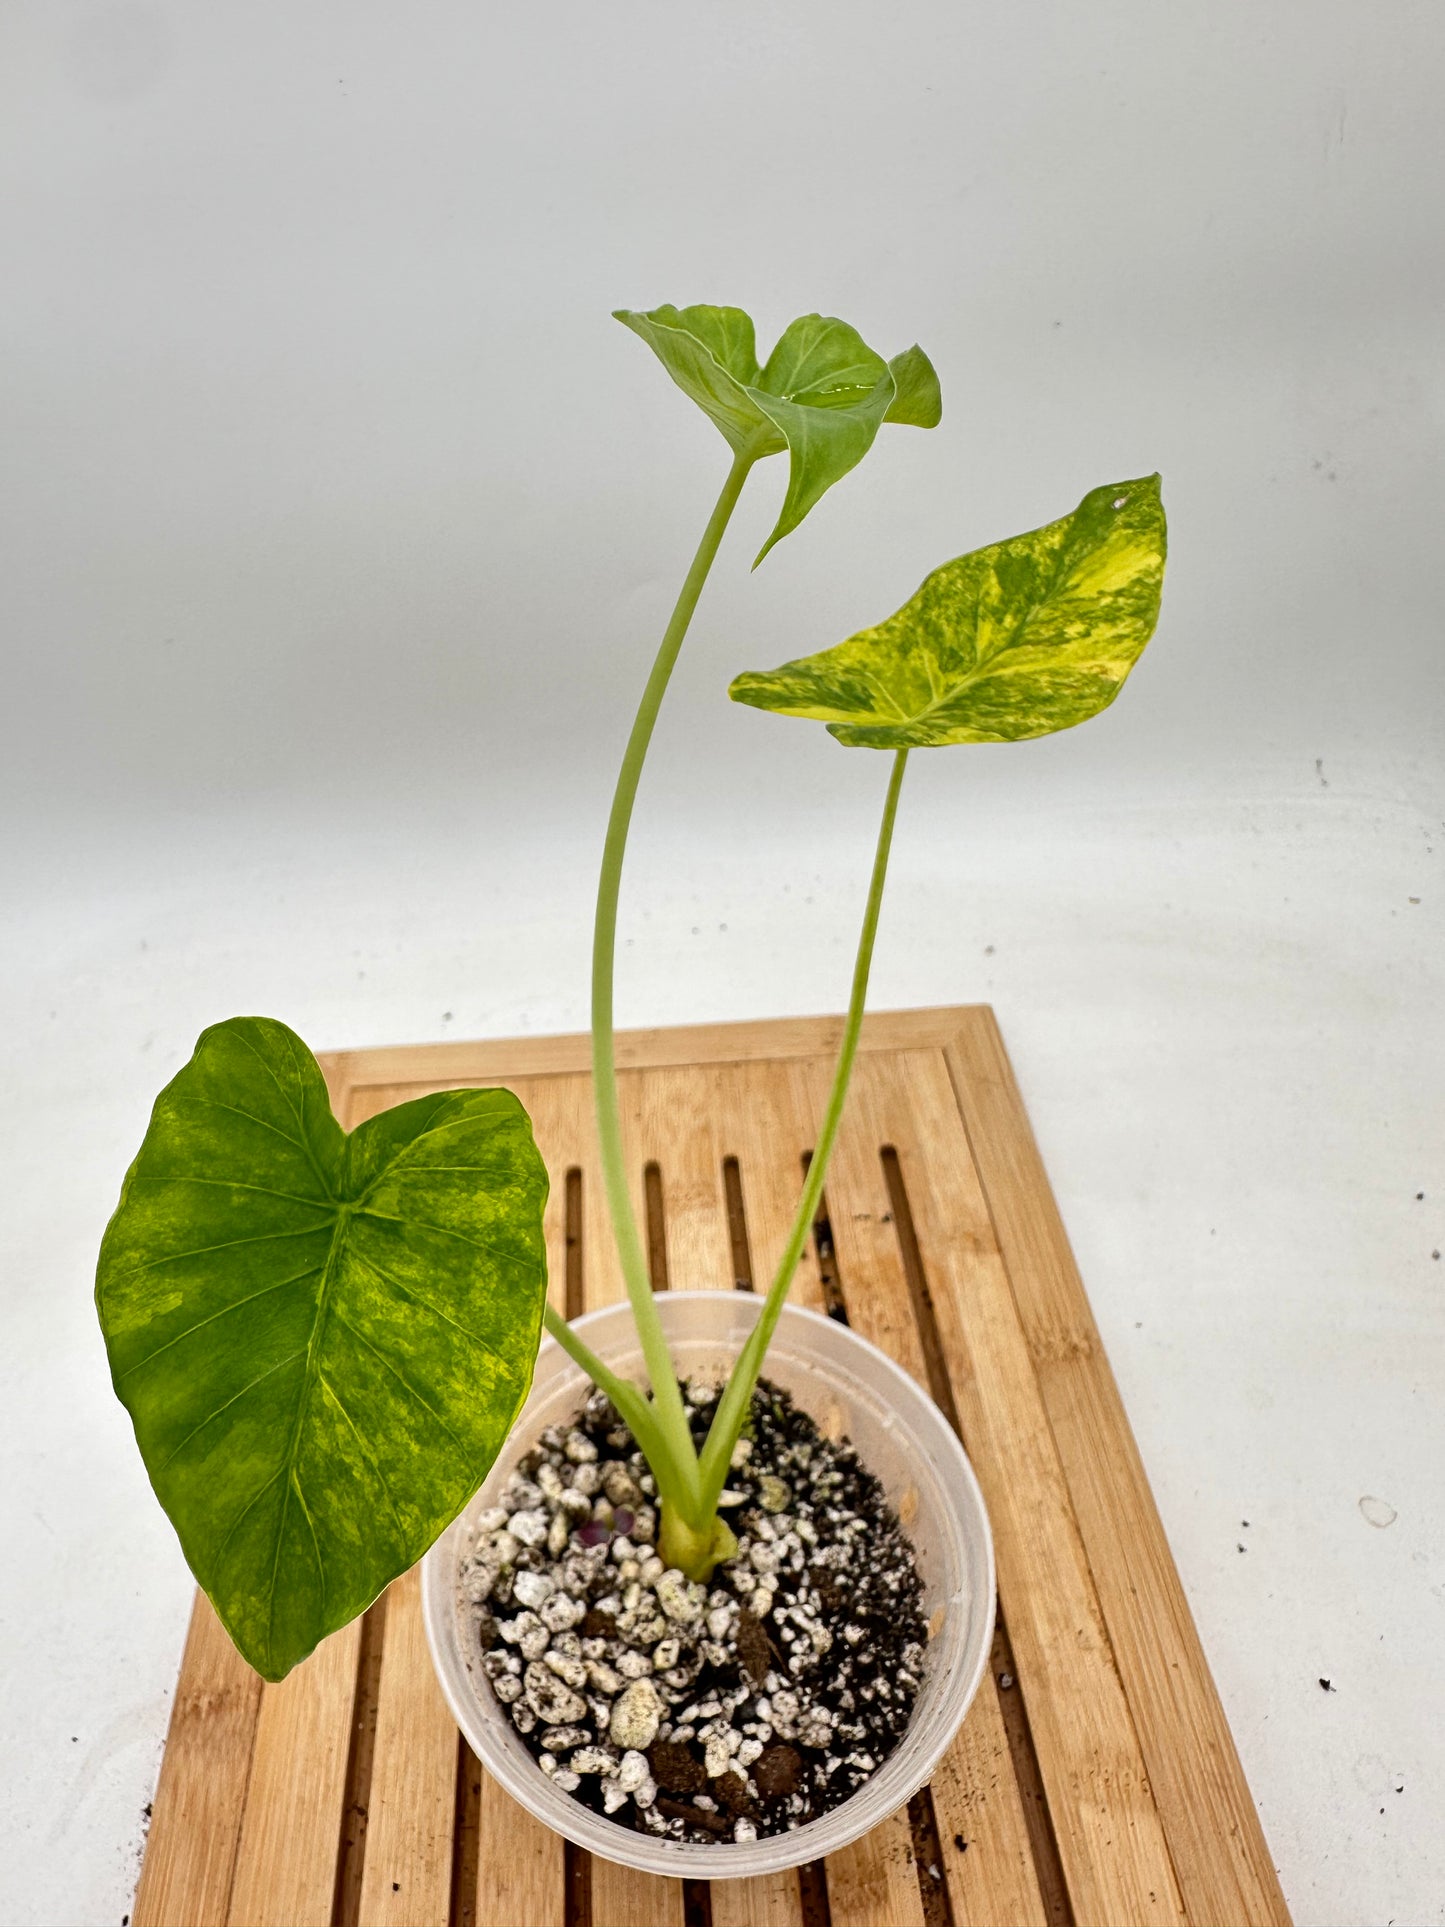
{"x": 678, "y": 1130}
{"x": 406, "y": 1877}
{"x": 520, "y": 1865}
{"x": 286, "y": 1866}
{"x": 488, "y": 1059}
{"x": 622, "y": 1897}
{"x": 768, "y": 1900}
{"x": 196, "y": 1823}
{"x": 982, "y": 1831}
{"x": 1110, "y": 1838}
{"x": 1193, "y": 1765}
{"x": 999, "y": 1882}
{"x": 874, "y": 1882}
{"x": 766, "y": 1121}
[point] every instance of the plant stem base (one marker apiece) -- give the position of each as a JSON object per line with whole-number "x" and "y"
{"x": 343, "y": 1795}
{"x": 695, "y": 1553}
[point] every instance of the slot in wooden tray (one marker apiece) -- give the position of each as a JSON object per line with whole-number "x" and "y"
{"x": 1094, "y": 1781}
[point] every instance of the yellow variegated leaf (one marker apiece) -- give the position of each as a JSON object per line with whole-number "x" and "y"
{"x": 1023, "y": 638}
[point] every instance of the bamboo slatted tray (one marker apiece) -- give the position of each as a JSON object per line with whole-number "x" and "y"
{"x": 1094, "y": 1781}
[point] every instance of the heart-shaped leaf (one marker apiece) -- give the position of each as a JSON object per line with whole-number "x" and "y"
{"x": 322, "y": 1340}
{"x": 822, "y": 395}
{"x": 1020, "y": 639}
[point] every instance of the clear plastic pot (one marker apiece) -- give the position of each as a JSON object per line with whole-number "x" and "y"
{"x": 848, "y": 1387}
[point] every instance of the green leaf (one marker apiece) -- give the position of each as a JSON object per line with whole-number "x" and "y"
{"x": 1020, "y": 639}
{"x": 826, "y": 393}
{"x": 919, "y": 401}
{"x": 822, "y": 396}
{"x": 709, "y": 353}
{"x": 322, "y": 1340}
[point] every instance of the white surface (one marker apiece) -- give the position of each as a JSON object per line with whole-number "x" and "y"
{"x": 338, "y": 525}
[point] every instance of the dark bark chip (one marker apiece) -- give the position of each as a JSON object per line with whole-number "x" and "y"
{"x": 778, "y": 1771}
{"x": 753, "y": 1649}
{"x": 676, "y": 1768}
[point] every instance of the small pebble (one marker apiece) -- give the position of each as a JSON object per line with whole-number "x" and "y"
{"x": 551, "y": 1699}
{"x": 559, "y": 1739}
{"x": 559, "y": 1613}
{"x": 620, "y": 1486}
{"x": 531, "y": 1588}
{"x": 530, "y": 1526}
{"x": 527, "y": 1632}
{"x": 679, "y": 1599}
{"x": 636, "y": 1716}
{"x": 573, "y": 1671}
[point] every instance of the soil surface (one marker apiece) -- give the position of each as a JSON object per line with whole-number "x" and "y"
{"x": 721, "y": 1712}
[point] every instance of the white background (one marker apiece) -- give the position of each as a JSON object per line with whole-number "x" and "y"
{"x": 339, "y": 522}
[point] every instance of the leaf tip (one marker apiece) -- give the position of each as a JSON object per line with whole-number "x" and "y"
{"x": 918, "y": 397}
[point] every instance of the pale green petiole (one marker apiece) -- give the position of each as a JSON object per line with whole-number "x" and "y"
{"x": 689, "y": 1486}
{"x": 736, "y": 1399}
{"x": 632, "y": 1406}
{"x": 667, "y": 1413}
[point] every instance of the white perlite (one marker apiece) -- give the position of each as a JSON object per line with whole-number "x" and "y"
{"x": 554, "y": 1702}
{"x": 531, "y": 1588}
{"x": 637, "y": 1716}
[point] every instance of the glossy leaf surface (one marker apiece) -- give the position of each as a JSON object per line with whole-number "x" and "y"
{"x": 1020, "y": 639}
{"x": 322, "y": 1340}
{"x": 822, "y": 395}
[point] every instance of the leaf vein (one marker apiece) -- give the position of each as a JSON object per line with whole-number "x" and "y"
{"x": 381, "y": 1480}
{"x": 249, "y": 1299}
{"x": 399, "y": 1376}
{"x": 415, "y": 1298}
{"x": 240, "y": 1184}
{"x": 213, "y": 1416}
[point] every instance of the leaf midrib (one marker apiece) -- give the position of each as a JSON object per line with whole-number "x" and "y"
{"x": 309, "y": 1376}
{"x": 985, "y": 668}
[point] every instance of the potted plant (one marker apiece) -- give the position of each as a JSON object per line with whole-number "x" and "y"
{"x": 674, "y": 1612}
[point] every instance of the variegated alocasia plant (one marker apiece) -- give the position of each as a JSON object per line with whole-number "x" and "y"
{"x": 324, "y": 1339}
